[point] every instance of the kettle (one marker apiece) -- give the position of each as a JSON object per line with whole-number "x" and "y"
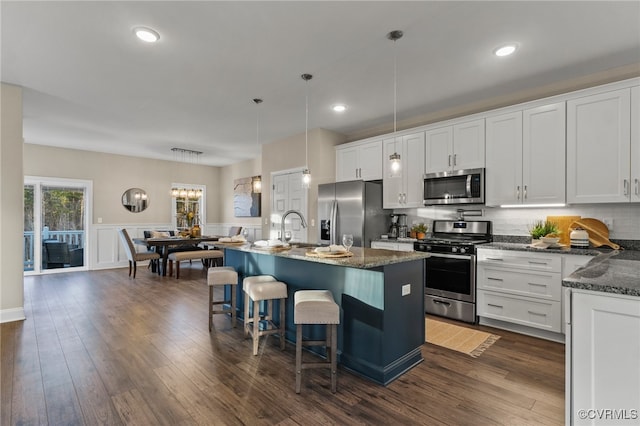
{"x": 579, "y": 238}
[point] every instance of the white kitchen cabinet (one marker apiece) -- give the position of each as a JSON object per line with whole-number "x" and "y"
{"x": 603, "y": 147}
{"x": 603, "y": 359}
{"x": 392, "y": 245}
{"x": 461, "y": 146}
{"x": 361, "y": 161}
{"x": 519, "y": 287}
{"x": 404, "y": 188}
{"x": 525, "y": 156}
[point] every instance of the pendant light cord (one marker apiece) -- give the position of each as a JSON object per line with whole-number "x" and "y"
{"x": 306, "y": 126}
{"x": 395, "y": 88}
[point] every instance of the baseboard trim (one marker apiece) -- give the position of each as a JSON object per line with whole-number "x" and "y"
{"x": 13, "y": 314}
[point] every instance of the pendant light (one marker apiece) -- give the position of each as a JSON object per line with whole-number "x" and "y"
{"x": 256, "y": 181}
{"x": 395, "y": 157}
{"x": 306, "y": 173}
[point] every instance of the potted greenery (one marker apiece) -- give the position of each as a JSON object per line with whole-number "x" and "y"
{"x": 541, "y": 229}
{"x": 419, "y": 231}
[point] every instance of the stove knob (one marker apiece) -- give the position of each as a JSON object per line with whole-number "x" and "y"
{"x": 463, "y": 250}
{"x": 454, "y": 249}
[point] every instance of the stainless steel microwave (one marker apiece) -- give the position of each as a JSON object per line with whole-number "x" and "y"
{"x": 454, "y": 187}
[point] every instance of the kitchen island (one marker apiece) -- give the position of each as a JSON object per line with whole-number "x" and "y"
{"x": 380, "y": 294}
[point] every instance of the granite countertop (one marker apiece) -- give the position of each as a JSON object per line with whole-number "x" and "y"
{"x": 363, "y": 258}
{"x": 560, "y": 250}
{"x": 615, "y": 272}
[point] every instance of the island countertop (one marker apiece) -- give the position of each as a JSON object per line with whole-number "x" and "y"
{"x": 363, "y": 258}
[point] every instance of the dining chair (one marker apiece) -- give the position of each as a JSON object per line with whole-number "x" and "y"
{"x": 132, "y": 254}
{"x": 235, "y": 230}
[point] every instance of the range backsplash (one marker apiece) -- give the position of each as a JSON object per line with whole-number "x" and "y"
{"x": 516, "y": 222}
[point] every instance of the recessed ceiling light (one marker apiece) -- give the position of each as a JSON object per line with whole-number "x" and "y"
{"x": 339, "y": 108}
{"x": 146, "y": 34}
{"x": 506, "y": 49}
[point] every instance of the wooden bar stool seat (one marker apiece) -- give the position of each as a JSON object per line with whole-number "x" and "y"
{"x": 316, "y": 307}
{"x": 263, "y": 288}
{"x": 222, "y": 276}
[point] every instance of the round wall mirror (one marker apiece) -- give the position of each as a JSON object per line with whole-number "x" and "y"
{"x": 135, "y": 200}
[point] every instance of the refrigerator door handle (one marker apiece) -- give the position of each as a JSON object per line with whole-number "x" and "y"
{"x": 334, "y": 222}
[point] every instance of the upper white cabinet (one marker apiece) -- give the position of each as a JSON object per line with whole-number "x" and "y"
{"x": 525, "y": 156}
{"x": 359, "y": 161}
{"x": 603, "y": 147}
{"x": 404, "y": 188}
{"x": 456, "y": 147}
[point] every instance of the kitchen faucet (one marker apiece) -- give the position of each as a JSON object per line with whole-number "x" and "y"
{"x": 284, "y": 216}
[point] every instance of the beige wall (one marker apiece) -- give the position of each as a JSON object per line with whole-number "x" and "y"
{"x": 113, "y": 174}
{"x": 289, "y": 154}
{"x": 11, "y": 204}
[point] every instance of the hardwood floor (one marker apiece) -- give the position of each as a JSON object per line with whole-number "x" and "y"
{"x": 100, "y": 348}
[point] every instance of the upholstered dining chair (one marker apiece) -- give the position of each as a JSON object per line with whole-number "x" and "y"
{"x": 132, "y": 254}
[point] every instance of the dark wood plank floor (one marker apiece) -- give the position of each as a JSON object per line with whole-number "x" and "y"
{"x": 100, "y": 348}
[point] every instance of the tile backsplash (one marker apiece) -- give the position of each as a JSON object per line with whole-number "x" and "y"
{"x": 625, "y": 217}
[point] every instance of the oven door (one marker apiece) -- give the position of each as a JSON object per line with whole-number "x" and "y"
{"x": 452, "y": 276}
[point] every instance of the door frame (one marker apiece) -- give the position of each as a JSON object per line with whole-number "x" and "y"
{"x": 38, "y": 182}
{"x": 273, "y": 230}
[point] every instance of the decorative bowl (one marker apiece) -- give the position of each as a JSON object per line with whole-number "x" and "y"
{"x": 550, "y": 240}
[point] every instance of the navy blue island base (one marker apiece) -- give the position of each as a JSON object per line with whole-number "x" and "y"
{"x": 380, "y": 293}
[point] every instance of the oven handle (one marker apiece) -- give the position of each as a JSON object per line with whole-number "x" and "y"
{"x": 441, "y": 302}
{"x": 454, "y": 256}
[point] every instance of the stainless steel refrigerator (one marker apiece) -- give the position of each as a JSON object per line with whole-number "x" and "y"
{"x": 353, "y": 207}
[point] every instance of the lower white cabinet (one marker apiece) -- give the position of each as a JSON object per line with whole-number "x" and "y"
{"x": 388, "y": 245}
{"x": 603, "y": 359}
{"x": 520, "y": 287}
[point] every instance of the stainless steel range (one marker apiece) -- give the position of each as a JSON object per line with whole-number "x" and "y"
{"x": 450, "y": 287}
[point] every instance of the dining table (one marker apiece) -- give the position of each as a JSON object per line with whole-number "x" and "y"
{"x": 163, "y": 244}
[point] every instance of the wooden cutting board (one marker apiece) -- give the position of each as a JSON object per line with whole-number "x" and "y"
{"x": 564, "y": 222}
{"x": 598, "y": 232}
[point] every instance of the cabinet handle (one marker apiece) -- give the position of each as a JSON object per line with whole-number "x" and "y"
{"x": 399, "y": 197}
{"x": 494, "y": 306}
{"x": 637, "y": 186}
{"x": 518, "y": 192}
{"x": 441, "y": 302}
{"x": 360, "y": 173}
{"x": 538, "y": 263}
{"x": 455, "y": 160}
{"x": 524, "y": 197}
{"x": 537, "y": 313}
{"x": 626, "y": 187}
{"x": 495, "y": 279}
{"x": 495, "y": 258}
{"x": 537, "y": 284}
{"x": 449, "y": 160}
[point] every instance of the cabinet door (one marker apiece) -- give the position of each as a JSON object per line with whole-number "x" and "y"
{"x": 635, "y": 144}
{"x": 439, "y": 150}
{"x": 370, "y": 160}
{"x": 605, "y": 349}
{"x": 392, "y": 189}
{"x": 543, "y": 154}
{"x": 346, "y": 164}
{"x": 413, "y": 148}
{"x": 504, "y": 159}
{"x": 469, "y": 145}
{"x": 598, "y": 147}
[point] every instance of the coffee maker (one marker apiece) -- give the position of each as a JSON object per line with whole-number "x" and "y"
{"x": 398, "y": 228}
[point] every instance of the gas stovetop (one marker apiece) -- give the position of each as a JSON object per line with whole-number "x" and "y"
{"x": 456, "y": 237}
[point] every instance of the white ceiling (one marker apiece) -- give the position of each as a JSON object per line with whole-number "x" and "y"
{"x": 90, "y": 84}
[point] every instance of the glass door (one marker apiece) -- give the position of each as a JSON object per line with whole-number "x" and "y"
{"x": 56, "y": 222}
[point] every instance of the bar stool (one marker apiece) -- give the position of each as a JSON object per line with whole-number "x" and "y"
{"x": 263, "y": 288}
{"x": 316, "y": 307}
{"x": 221, "y": 276}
